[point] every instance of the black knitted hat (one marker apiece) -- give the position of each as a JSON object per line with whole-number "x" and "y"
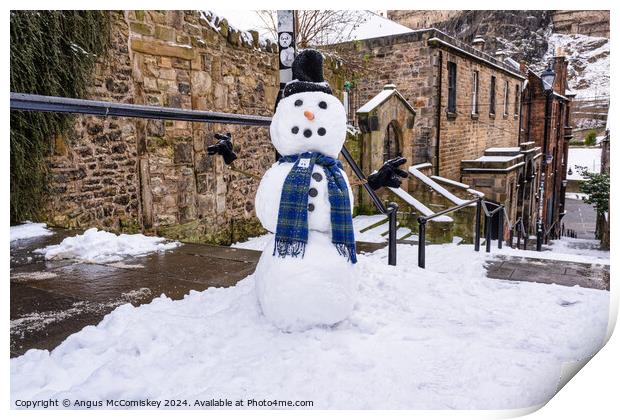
{"x": 307, "y": 74}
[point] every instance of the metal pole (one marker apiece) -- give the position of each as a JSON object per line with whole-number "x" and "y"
{"x": 286, "y": 47}
{"x": 477, "y": 227}
{"x": 500, "y": 228}
{"x": 41, "y": 103}
{"x": 421, "y": 242}
{"x": 543, "y": 170}
{"x": 487, "y": 230}
{"x": 392, "y": 208}
{"x": 519, "y": 233}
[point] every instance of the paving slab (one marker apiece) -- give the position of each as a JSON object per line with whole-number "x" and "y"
{"x": 566, "y": 273}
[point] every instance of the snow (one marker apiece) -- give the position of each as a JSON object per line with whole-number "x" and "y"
{"x": 449, "y": 181}
{"x": 565, "y": 249}
{"x": 416, "y": 204}
{"x": 589, "y": 158}
{"x": 29, "y": 230}
{"x": 318, "y": 289}
{"x": 495, "y": 158}
{"x": 377, "y": 26}
{"x": 588, "y": 59}
{"x": 515, "y": 150}
{"x": 98, "y": 246}
{"x": 414, "y": 170}
{"x": 442, "y": 338}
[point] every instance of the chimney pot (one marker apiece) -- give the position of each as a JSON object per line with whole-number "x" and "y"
{"x": 478, "y": 43}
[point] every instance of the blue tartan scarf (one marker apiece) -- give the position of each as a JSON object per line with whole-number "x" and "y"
{"x": 292, "y": 229}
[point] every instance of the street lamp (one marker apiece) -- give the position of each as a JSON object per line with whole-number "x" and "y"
{"x": 548, "y": 77}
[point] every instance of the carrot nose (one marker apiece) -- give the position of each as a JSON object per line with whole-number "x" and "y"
{"x": 309, "y": 115}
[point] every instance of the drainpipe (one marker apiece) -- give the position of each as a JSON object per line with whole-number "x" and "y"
{"x": 438, "y": 115}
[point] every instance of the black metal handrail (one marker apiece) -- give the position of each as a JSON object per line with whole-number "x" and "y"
{"x": 487, "y": 224}
{"x": 41, "y": 103}
{"x": 422, "y": 227}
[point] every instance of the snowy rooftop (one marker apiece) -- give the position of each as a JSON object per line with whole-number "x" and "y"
{"x": 495, "y": 158}
{"x": 384, "y": 95}
{"x": 503, "y": 149}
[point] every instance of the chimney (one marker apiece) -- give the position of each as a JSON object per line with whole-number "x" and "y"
{"x": 560, "y": 68}
{"x": 478, "y": 43}
{"x": 500, "y": 56}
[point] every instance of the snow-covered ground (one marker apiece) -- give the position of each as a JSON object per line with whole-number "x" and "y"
{"x": 29, "y": 230}
{"x": 442, "y": 338}
{"x": 590, "y": 158}
{"x": 98, "y": 246}
{"x": 564, "y": 249}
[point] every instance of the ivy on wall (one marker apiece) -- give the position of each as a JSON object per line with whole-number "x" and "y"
{"x": 52, "y": 53}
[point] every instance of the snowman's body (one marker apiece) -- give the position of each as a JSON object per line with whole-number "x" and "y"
{"x": 296, "y": 293}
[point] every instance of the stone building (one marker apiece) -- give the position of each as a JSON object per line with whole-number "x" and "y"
{"x": 467, "y": 106}
{"x": 548, "y": 126}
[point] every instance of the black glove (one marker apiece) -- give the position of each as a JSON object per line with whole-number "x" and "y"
{"x": 223, "y": 147}
{"x": 388, "y": 175}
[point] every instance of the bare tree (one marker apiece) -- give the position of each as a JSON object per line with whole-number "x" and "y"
{"x": 319, "y": 27}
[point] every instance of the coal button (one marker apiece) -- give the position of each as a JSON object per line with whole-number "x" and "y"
{"x": 312, "y": 192}
{"x": 317, "y": 176}
{"x": 310, "y": 207}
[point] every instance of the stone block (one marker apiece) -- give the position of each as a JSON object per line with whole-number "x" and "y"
{"x": 159, "y": 48}
{"x": 165, "y": 33}
{"x": 141, "y": 28}
{"x": 182, "y": 153}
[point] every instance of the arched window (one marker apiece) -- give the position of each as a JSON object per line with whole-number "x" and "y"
{"x": 391, "y": 143}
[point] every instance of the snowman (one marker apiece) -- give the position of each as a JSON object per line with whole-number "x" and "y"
{"x": 306, "y": 275}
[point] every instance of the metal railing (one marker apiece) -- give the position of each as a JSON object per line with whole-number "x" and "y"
{"x": 487, "y": 224}
{"x": 422, "y": 227}
{"x": 31, "y": 102}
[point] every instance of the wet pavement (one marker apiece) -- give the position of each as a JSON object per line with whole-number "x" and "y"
{"x": 565, "y": 273}
{"x": 581, "y": 217}
{"x": 52, "y": 299}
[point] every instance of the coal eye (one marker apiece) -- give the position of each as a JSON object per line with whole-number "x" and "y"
{"x": 323, "y": 105}
{"x": 299, "y": 102}
{"x": 321, "y": 131}
{"x": 295, "y": 130}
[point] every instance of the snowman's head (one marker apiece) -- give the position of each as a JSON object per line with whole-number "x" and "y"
{"x": 309, "y": 122}
{"x": 308, "y": 118}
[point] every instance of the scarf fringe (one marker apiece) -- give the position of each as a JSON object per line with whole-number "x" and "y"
{"x": 287, "y": 247}
{"x": 347, "y": 251}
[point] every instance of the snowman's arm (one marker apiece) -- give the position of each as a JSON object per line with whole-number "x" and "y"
{"x": 268, "y": 198}
{"x": 346, "y": 179}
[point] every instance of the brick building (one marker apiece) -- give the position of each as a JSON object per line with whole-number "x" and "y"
{"x": 546, "y": 123}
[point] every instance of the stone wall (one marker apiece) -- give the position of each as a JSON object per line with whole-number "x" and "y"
{"x": 585, "y": 22}
{"x": 466, "y": 135}
{"x": 93, "y": 179}
{"x": 155, "y": 176}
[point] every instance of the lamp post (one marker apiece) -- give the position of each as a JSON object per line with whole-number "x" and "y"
{"x": 547, "y": 77}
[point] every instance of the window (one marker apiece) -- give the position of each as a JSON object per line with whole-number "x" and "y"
{"x": 474, "y": 95}
{"x": 506, "y": 98}
{"x": 492, "y": 99}
{"x": 517, "y": 98}
{"x": 451, "y": 86}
